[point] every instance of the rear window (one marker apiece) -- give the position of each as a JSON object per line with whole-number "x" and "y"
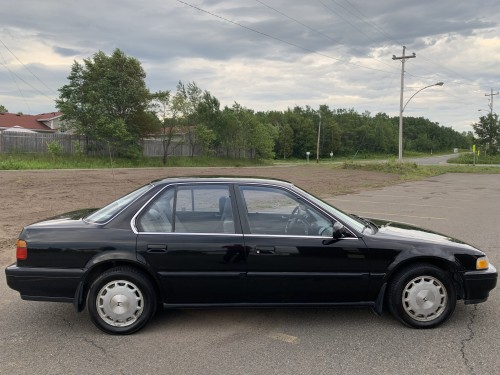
{"x": 108, "y": 212}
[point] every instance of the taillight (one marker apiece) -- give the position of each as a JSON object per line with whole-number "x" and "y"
{"x": 22, "y": 250}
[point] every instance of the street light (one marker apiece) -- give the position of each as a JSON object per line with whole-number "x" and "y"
{"x": 401, "y": 110}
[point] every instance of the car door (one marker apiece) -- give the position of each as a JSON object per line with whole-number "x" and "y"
{"x": 189, "y": 236}
{"x": 292, "y": 255}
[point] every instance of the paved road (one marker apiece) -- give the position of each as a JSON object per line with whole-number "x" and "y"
{"x": 51, "y": 338}
{"x": 441, "y": 160}
{"x": 432, "y": 160}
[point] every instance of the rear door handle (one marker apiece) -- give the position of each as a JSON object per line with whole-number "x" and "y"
{"x": 263, "y": 250}
{"x": 157, "y": 248}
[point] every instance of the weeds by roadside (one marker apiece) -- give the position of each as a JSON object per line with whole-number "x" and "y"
{"x": 64, "y": 161}
{"x": 468, "y": 158}
{"x": 412, "y": 171}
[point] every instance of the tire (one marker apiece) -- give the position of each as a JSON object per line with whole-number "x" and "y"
{"x": 121, "y": 301}
{"x": 422, "y": 296}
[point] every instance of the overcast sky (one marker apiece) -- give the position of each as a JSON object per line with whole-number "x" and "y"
{"x": 266, "y": 54}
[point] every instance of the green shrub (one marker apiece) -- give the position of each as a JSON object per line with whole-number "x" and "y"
{"x": 54, "y": 148}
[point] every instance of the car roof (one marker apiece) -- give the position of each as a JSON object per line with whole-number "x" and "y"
{"x": 222, "y": 179}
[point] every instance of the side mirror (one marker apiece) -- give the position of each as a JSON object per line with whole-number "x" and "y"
{"x": 338, "y": 230}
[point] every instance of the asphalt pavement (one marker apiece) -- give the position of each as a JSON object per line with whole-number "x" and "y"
{"x": 431, "y": 160}
{"x": 51, "y": 338}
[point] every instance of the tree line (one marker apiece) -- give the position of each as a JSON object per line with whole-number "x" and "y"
{"x": 106, "y": 99}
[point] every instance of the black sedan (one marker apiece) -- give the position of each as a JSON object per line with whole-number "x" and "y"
{"x": 234, "y": 242}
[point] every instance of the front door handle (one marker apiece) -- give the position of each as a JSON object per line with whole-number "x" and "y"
{"x": 154, "y": 248}
{"x": 263, "y": 250}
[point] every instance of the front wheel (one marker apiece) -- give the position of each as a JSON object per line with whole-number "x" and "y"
{"x": 422, "y": 296}
{"x": 121, "y": 301}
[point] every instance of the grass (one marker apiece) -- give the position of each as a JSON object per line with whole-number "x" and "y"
{"x": 46, "y": 161}
{"x": 468, "y": 158}
{"x": 360, "y": 157}
{"x": 407, "y": 171}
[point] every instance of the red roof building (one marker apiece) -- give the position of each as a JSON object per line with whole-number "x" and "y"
{"x": 42, "y": 123}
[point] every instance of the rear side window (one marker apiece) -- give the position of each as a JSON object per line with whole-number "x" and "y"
{"x": 158, "y": 216}
{"x": 108, "y": 212}
{"x": 190, "y": 209}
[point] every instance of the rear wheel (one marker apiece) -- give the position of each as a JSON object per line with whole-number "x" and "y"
{"x": 422, "y": 296}
{"x": 121, "y": 301}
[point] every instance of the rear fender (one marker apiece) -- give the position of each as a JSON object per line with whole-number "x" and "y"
{"x": 104, "y": 261}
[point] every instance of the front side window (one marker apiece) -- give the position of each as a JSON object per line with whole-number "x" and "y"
{"x": 275, "y": 211}
{"x": 347, "y": 219}
{"x": 190, "y": 209}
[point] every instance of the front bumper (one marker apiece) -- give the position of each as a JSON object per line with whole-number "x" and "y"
{"x": 478, "y": 284}
{"x": 44, "y": 284}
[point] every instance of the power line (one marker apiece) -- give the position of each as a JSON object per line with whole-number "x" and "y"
{"x": 448, "y": 69}
{"x": 349, "y": 22}
{"x": 491, "y": 100}
{"x": 365, "y": 20}
{"x": 300, "y": 23}
{"x": 312, "y": 29}
{"x": 372, "y": 24}
{"x": 282, "y": 40}
{"x": 28, "y": 69}
{"x": 27, "y": 83}
{"x": 15, "y": 82}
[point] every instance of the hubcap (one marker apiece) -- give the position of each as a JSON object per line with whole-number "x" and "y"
{"x": 424, "y": 298}
{"x": 120, "y": 303}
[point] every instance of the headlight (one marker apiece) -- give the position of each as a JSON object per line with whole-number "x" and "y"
{"x": 482, "y": 263}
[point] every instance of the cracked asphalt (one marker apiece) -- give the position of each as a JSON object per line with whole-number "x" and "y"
{"x": 50, "y": 338}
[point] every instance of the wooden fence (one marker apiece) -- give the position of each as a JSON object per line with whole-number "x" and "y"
{"x": 12, "y": 142}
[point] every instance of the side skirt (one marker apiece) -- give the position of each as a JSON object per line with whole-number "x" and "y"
{"x": 266, "y": 305}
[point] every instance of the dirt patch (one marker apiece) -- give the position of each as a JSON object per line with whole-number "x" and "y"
{"x": 29, "y": 196}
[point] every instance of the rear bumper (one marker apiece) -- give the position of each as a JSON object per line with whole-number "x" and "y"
{"x": 44, "y": 284}
{"x": 478, "y": 284}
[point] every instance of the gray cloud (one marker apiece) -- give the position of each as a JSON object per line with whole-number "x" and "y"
{"x": 456, "y": 42}
{"x": 65, "y": 51}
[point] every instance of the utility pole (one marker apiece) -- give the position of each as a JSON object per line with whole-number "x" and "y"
{"x": 319, "y": 131}
{"x": 403, "y": 59}
{"x": 491, "y": 100}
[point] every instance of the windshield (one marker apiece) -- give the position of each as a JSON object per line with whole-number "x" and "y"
{"x": 347, "y": 219}
{"x": 107, "y": 213}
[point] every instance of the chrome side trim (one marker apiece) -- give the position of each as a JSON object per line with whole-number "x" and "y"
{"x": 254, "y": 235}
{"x": 289, "y": 189}
{"x": 194, "y": 233}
